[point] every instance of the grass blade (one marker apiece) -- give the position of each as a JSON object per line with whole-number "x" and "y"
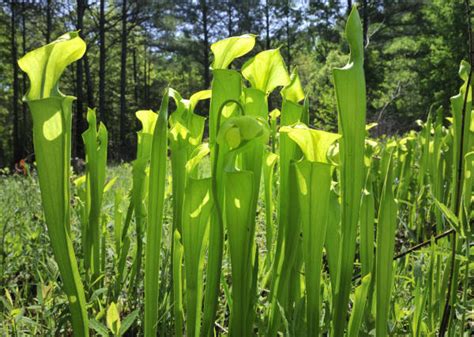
{"x": 360, "y": 300}
{"x": 158, "y": 159}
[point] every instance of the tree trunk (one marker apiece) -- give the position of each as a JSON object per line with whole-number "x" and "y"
{"x": 267, "y": 25}
{"x": 135, "y": 76}
{"x": 229, "y": 18}
{"x": 349, "y": 6}
{"x": 25, "y": 124}
{"x": 365, "y": 21}
{"x": 78, "y": 148}
{"x": 145, "y": 76}
{"x": 205, "y": 30}
{"x": 102, "y": 55}
{"x": 148, "y": 80}
{"x": 288, "y": 35}
{"x": 17, "y": 151}
{"x": 89, "y": 85}
{"x": 48, "y": 21}
{"x": 123, "y": 82}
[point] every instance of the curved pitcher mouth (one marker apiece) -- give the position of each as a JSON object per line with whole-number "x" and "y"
{"x": 58, "y": 97}
{"x": 219, "y": 70}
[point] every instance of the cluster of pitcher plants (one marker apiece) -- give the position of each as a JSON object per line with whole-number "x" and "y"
{"x": 276, "y": 227}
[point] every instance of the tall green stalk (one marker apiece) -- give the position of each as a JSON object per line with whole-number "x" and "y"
{"x": 367, "y": 222}
{"x": 244, "y": 138}
{"x": 360, "y": 300}
{"x": 178, "y": 252}
{"x": 139, "y": 191}
{"x": 186, "y": 131}
{"x": 270, "y": 161}
{"x": 288, "y": 222}
{"x": 196, "y": 216}
{"x": 156, "y": 199}
{"x": 386, "y": 226}
{"x": 238, "y": 217}
{"x": 95, "y": 143}
{"x": 52, "y": 115}
{"x": 349, "y": 83}
{"x": 226, "y": 87}
{"x": 314, "y": 187}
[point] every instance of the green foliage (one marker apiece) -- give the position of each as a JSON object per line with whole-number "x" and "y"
{"x": 386, "y": 224}
{"x": 412, "y": 52}
{"x": 349, "y": 83}
{"x": 206, "y": 222}
{"x": 95, "y": 144}
{"x": 52, "y": 117}
{"x": 156, "y": 199}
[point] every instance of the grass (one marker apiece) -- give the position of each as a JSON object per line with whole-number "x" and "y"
{"x": 33, "y": 303}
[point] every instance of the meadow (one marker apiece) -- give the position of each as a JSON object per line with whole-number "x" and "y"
{"x": 249, "y": 223}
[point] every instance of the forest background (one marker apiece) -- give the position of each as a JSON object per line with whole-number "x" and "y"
{"x": 136, "y": 48}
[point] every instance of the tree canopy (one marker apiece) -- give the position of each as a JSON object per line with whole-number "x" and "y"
{"x": 136, "y": 48}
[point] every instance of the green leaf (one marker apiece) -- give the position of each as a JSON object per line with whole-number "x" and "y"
{"x": 275, "y": 113}
{"x": 196, "y": 157}
{"x": 268, "y": 173}
{"x": 450, "y": 216}
{"x": 349, "y": 83}
{"x": 186, "y": 127}
{"x": 186, "y": 133}
{"x": 287, "y": 244}
{"x": 288, "y": 249}
{"x": 313, "y": 176}
{"x": 113, "y": 319}
{"x": 98, "y": 327}
{"x": 139, "y": 187}
{"x": 266, "y": 71}
{"x": 293, "y": 91}
{"x": 52, "y": 117}
{"x": 225, "y": 100}
{"x": 159, "y": 151}
{"x": 313, "y": 143}
{"x": 457, "y": 108}
{"x": 386, "y": 226}
{"x": 238, "y": 131}
{"x": 239, "y": 218}
{"x": 314, "y": 182}
{"x": 226, "y": 50}
{"x": 419, "y": 301}
{"x": 333, "y": 238}
{"x": 367, "y": 221}
{"x": 128, "y": 321}
{"x": 226, "y": 87}
{"x": 148, "y": 120}
{"x": 110, "y": 184}
{"x": 178, "y": 284}
{"x": 46, "y": 64}
{"x": 198, "y": 96}
{"x": 360, "y": 301}
{"x": 245, "y": 162}
{"x": 95, "y": 144}
{"x": 196, "y": 217}
{"x": 255, "y": 103}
